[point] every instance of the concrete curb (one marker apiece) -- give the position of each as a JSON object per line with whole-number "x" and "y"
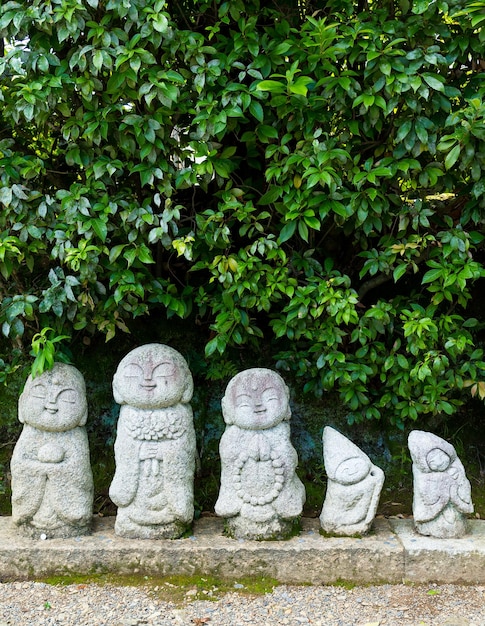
{"x": 392, "y": 553}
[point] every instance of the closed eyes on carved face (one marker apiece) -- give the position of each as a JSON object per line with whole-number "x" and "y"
{"x": 243, "y": 401}
{"x": 164, "y": 370}
{"x": 39, "y": 391}
{"x": 68, "y": 396}
{"x": 151, "y": 379}
{"x": 255, "y": 403}
{"x": 258, "y": 400}
{"x": 270, "y": 395}
{"x": 53, "y": 407}
{"x": 133, "y": 370}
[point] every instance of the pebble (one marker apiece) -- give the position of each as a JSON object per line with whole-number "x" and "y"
{"x": 39, "y": 604}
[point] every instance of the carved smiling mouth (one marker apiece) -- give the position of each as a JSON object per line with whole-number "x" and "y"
{"x": 149, "y": 386}
{"x": 51, "y": 410}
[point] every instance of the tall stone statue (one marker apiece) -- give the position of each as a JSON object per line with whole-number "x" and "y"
{"x": 155, "y": 446}
{"x": 260, "y": 496}
{"x": 52, "y": 482}
{"x": 442, "y": 493}
{"x": 353, "y": 488}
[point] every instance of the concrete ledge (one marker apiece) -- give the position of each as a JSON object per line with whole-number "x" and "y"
{"x": 442, "y": 560}
{"x": 392, "y": 553}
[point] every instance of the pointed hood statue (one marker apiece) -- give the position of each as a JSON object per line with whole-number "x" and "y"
{"x": 353, "y": 488}
{"x": 441, "y": 490}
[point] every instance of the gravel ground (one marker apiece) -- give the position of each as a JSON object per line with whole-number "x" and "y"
{"x": 40, "y": 604}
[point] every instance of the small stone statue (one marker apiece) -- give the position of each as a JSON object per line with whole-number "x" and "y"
{"x": 52, "y": 482}
{"x": 353, "y": 488}
{"x": 442, "y": 493}
{"x": 155, "y": 446}
{"x": 260, "y": 496}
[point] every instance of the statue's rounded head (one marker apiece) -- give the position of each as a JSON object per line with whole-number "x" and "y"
{"x": 153, "y": 376}
{"x": 256, "y": 399}
{"x": 55, "y": 401}
{"x": 352, "y": 470}
{"x": 438, "y": 460}
{"x": 429, "y": 452}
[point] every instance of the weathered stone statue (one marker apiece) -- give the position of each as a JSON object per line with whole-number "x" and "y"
{"x": 52, "y": 483}
{"x": 155, "y": 446}
{"x": 353, "y": 488}
{"x": 260, "y": 496}
{"x": 442, "y": 493}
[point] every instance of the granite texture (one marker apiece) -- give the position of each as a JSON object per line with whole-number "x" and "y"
{"x": 441, "y": 490}
{"x": 260, "y": 495}
{"x": 353, "y": 488}
{"x": 52, "y": 483}
{"x": 155, "y": 445}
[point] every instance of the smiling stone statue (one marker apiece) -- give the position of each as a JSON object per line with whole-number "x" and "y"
{"x": 260, "y": 494}
{"x": 52, "y": 483}
{"x": 155, "y": 446}
{"x": 353, "y": 488}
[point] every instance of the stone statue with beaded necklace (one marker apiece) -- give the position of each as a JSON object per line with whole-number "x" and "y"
{"x": 155, "y": 446}
{"x": 261, "y": 497}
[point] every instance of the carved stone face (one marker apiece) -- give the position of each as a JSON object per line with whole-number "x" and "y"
{"x": 152, "y": 376}
{"x": 55, "y": 401}
{"x": 438, "y": 460}
{"x": 352, "y": 470}
{"x": 256, "y": 399}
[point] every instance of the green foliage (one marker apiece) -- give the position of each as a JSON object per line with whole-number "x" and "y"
{"x": 308, "y": 174}
{"x": 44, "y": 350}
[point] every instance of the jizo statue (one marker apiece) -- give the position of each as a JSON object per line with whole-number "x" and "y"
{"x": 260, "y": 496}
{"x": 353, "y": 488}
{"x": 442, "y": 493}
{"x": 155, "y": 446}
{"x": 52, "y": 483}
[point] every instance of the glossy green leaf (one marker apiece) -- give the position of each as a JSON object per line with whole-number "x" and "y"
{"x": 452, "y": 156}
{"x": 273, "y": 86}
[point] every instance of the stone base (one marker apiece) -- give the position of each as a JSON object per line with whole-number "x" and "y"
{"x": 275, "y": 529}
{"x": 392, "y": 553}
{"x": 61, "y": 532}
{"x": 124, "y": 527}
{"x": 349, "y": 530}
{"x": 441, "y": 529}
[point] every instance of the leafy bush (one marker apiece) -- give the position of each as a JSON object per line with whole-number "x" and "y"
{"x": 310, "y": 174}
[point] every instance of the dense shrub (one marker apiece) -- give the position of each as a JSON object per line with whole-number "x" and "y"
{"x": 307, "y": 173}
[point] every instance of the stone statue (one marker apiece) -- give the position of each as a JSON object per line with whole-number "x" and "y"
{"x": 155, "y": 446}
{"x": 442, "y": 493}
{"x": 261, "y": 496}
{"x": 52, "y": 482}
{"x": 353, "y": 488}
